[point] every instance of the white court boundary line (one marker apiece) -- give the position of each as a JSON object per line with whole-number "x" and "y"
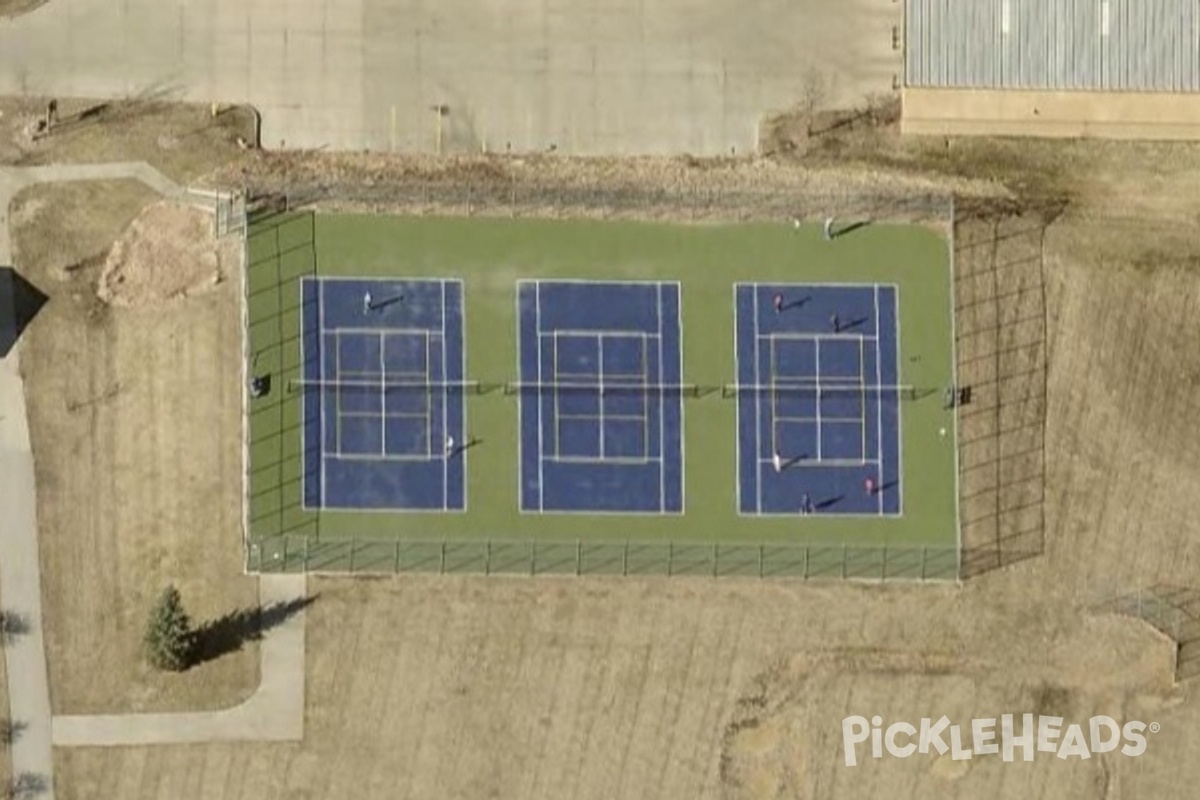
{"x": 682, "y": 406}
{"x": 537, "y": 326}
{"x": 879, "y": 407}
{"x": 518, "y": 320}
{"x": 445, "y": 419}
{"x": 537, "y": 284}
{"x": 753, "y": 288}
{"x": 737, "y": 433}
{"x": 600, "y": 378}
{"x": 462, "y": 397}
{"x": 320, "y": 372}
{"x": 429, "y": 333}
{"x": 662, "y": 402}
{"x": 862, "y": 396}
{"x": 758, "y": 410}
{"x": 817, "y": 381}
{"x": 900, "y": 482}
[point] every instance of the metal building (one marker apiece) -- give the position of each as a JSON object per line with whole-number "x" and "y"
{"x": 1110, "y": 45}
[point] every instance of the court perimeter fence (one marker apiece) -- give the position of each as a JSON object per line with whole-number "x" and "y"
{"x": 296, "y": 553}
{"x": 308, "y": 552}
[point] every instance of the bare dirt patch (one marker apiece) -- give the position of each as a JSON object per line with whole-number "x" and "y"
{"x": 168, "y": 252}
{"x": 184, "y": 141}
{"x": 135, "y": 420}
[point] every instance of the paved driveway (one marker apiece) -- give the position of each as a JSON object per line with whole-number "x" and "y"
{"x": 584, "y": 76}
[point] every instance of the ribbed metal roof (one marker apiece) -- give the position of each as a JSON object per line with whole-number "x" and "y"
{"x": 1114, "y": 45}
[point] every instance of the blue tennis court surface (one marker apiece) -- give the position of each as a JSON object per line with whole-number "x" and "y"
{"x": 600, "y": 403}
{"x": 384, "y": 413}
{"x": 818, "y": 399}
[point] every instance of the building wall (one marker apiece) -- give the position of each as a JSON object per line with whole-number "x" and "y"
{"x": 1106, "y": 45}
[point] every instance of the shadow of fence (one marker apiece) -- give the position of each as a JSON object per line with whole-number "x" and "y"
{"x": 1172, "y": 610}
{"x": 1001, "y": 350}
{"x": 300, "y": 553}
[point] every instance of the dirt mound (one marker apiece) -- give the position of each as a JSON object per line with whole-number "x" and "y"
{"x": 168, "y": 252}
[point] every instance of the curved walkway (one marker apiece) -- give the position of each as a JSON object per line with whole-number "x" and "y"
{"x": 274, "y": 713}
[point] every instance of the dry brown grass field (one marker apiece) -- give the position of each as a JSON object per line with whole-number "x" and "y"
{"x": 481, "y": 688}
{"x": 134, "y": 419}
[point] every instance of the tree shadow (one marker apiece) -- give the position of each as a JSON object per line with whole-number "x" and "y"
{"x": 12, "y": 626}
{"x": 227, "y": 634}
{"x": 20, "y": 302}
{"x": 11, "y": 730}
{"x": 29, "y": 785}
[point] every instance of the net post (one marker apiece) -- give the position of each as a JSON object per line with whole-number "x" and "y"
{"x": 670, "y": 557}
{"x": 578, "y": 557}
{"x": 305, "y": 556}
{"x": 805, "y": 562}
{"x": 532, "y": 557}
{"x": 716, "y": 558}
{"x": 487, "y": 557}
{"x": 761, "y": 548}
{"x": 396, "y": 567}
{"x": 350, "y": 565}
{"x": 625, "y": 559}
{"x": 883, "y": 568}
{"x": 442, "y": 566}
{"x": 283, "y": 556}
{"x": 924, "y": 562}
{"x": 844, "y": 564}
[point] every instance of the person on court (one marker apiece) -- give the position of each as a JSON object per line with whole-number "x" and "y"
{"x": 366, "y": 302}
{"x": 777, "y": 462}
{"x": 869, "y": 486}
{"x": 836, "y": 322}
{"x": 778, "y": 303}
{"x": 449, "y": 446}
{"x": 805, "y": 504}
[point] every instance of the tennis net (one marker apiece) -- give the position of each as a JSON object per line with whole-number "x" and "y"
{"x": 384, "y": 385}
{"x": 814, "y": 390}
{"x": 615, "y": 387}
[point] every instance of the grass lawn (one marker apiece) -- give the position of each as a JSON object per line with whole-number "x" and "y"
{"x": 490, "y": 256}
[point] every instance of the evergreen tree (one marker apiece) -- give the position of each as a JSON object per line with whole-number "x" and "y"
{"x": 168, "y": 639}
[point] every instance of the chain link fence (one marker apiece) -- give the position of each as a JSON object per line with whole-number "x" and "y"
{"x": 1172, "y": 610}
{"x": 301, "y": 553}
{"x": 303, "y": 550}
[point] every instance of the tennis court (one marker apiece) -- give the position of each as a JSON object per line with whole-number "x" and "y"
{"x": 598, "y": 397}
{"x": 384, "y": 413}
{"x": 601, "y": 413}
{"x": 818, "y": 399}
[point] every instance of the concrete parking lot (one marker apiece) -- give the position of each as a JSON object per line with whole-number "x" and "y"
{"x": 578, "y": 76}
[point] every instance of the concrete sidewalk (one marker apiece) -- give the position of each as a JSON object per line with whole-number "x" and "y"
{"x": 20, "y": 582}
{"x": 20, "y": 569}
{"x": 275, "y": 713}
